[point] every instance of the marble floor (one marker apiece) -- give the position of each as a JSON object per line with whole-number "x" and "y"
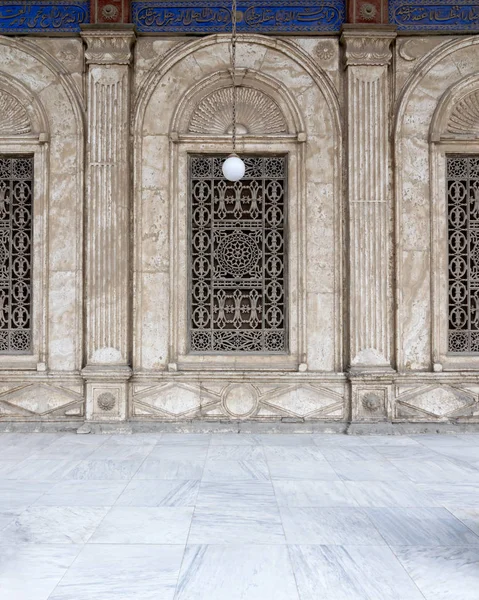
{"x": 239, "y": 517}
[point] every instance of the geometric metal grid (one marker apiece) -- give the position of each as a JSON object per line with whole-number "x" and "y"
{"x": 16, "y": 193}
{"x": 237, "y": 257}
{"x": 463, "y": 241}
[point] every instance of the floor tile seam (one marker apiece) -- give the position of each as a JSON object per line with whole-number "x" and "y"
{"x": 365, "y": 511}
{"x": 404, "y": 473}
{"x": 81, "y": 548}
{"x": 100, "y": 522}
{"x": 462, "y": 522}
{"x": 136, "y": 471}
{"x": 127, "y": 484}
{"x": 184, "y": 550}
{"x": 290, "y": 560}
{"x": 340, "y": 477}
{"x": 41, "y": 495}
{"x": 406, "y": 572}
{"x": 278, "y": 508}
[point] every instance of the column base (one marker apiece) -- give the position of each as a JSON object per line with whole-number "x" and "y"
{"x": 371, "y": 396}
{"x": 106, "y": 392}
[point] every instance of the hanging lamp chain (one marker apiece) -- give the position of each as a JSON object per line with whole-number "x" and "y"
{"x": 233, "y": 67}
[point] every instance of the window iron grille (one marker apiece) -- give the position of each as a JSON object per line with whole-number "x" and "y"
{"x": 463, "y": 241}
{"x": 16, "y": 192}
{"x": 237, "y": 257}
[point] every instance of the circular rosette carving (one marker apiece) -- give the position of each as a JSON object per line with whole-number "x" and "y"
{"x": 106, "y": 401}
{"x": 324, "y": 51}
{"x": 238, "y": 254}
{"x": 368, "y": 11}
{"x": 110, "y": 12}
{"x": 372, "y": 402}
{"x": 240, "y": 401}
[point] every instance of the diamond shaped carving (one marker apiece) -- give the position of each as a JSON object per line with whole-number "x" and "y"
{"x": 171, "y": 398}
{"x": 439, "y": 401}
{"x": 38, "y": 399}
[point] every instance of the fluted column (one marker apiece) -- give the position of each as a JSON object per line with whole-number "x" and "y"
{"x": 108, "y": 57}
{"x": 367, "y": 56}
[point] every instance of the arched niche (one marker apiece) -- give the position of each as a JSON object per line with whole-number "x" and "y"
{"x": 264, "y": 106}
{"x": 306, "y": 126}
{"x": 423, "y": 115}
{"x": 45, "y": 118}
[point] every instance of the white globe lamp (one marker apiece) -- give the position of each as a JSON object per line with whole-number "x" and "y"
{"x": 233, "y": 168}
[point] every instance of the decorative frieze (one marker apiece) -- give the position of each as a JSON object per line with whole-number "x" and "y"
{"x": 367, "y": 55}
{"x": 437, "y": 15}
{"x": 43, "y": 15}
{"x": 212, "y": 16}
{"x": 217, "y": 400}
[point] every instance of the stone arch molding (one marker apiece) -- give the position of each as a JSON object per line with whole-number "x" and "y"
{"x": 443, "y": 84}
{"x": 432, "y": 60}
{"x": 304, "y": 124}
{"x": 48, "y": 123}
{"x": 185, "y": 53}
{"x": 264, "y": 106}
{"x": 36, "y": 99}
{"x": 457, "y": 114}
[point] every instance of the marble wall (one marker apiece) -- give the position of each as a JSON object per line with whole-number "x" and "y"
{"x": 366, "y": 126}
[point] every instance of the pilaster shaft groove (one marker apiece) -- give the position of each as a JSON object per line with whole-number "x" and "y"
{"x": 108, "y": 56}
{"x": 367, "y": 56}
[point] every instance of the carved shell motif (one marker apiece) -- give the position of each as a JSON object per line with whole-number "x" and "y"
{"x": 465, "y": 116}
{"x": 13, "y": 116}
{"x": 256, "y": 113}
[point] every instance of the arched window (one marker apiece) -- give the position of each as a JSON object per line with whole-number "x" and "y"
{"x": 455, "y": 264}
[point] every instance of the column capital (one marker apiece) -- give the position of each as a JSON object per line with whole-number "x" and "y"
{"x": 367, "y": 46}
{"x": 108, "y": 45}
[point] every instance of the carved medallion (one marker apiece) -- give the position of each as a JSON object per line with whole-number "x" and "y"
{"x": 106, "y": 401}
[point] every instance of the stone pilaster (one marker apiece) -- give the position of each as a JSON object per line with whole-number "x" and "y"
{"x": 108, "y": 56}
{"x": 367, "y": 56}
